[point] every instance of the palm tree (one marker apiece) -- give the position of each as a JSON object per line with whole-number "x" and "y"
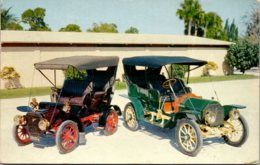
{"x": 199, "y": 21}
{"x": 189, "y": 10}
{"x": 208, "y": 19}
{"x": 7, "y": 18}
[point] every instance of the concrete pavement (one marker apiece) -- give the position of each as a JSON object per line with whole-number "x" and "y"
{"x": 150, "y": 144}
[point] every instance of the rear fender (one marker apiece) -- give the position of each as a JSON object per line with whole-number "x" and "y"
{"x": 138, "y": 107}
{"x": 117, "y": 109}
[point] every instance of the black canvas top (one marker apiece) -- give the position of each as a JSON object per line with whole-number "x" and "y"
{"x": 158, "y": 61}
{"x": 79, "y": 62}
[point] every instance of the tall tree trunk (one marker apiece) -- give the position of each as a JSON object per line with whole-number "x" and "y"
{"x": 196, "y": 30}
{"x": 189, "y": 27}
{"x": 205, "y": 32}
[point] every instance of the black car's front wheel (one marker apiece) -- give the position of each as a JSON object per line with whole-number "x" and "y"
{"x": 188, "y": 137}
{"x": 239, "y": 133}
{"x": 130, "y": 117}
{"x": 67, "y": 136}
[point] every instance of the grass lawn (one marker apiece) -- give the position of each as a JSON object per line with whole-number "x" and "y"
{"x": 25, "y": 92}
{"x": 221, "y": 78}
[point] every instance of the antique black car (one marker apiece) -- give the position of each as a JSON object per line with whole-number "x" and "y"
{"x": 164, "y": 100}
{"x": 83, "y": 100}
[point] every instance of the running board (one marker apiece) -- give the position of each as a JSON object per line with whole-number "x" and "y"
{"x": 161, "y": 124}
{"x": 82, "y": 139}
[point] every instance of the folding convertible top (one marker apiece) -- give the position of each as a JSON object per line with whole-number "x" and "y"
{"x": 79, "y": 62}
{"x": 158, "y": 61}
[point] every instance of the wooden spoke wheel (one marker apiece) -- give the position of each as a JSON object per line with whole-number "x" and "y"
{"x": 239, "y": 133}
{"x": 188, "y": 137}
{"x": 21, "y": 135}
{"x": 67, "y": 136}
{"x": 130, "y": 117}
{"x": 111, "y": 123}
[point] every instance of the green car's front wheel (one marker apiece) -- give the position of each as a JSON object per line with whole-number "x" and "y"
{"x": 239, "y": 133}
{"x": 188, "y": 137}
{"x": 130, "y": 117}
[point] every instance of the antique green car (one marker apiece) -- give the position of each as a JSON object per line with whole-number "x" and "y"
{"x": 166, "y": 102}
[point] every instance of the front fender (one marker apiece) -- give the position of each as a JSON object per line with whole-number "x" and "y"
{"x": 138, "y": 108}
{"x": 117, "y": 109}
{"x": 192, "y": 114}
{"x": 228, "y": 108}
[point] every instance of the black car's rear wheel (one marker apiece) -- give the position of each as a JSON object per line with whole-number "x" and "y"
{"x": 67, "y": 136}
{"x": 130, "y": 117}
{"x": 111, "y": 123}
{"x": 188, "y": 137}
{"x": 239, "y": 133}
{"x": 21, "y": 135}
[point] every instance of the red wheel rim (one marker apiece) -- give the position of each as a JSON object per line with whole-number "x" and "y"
{"x": 69, "y": 137}
{"x": 22, "y": 135}
{"x": 111, "y": 122}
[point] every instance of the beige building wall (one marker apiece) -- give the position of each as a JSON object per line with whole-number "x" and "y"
{"x": 23, "y": 58}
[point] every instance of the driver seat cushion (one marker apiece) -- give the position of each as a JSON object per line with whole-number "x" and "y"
{"x": 97, "y": 99}
{"x": 77, "y": 100}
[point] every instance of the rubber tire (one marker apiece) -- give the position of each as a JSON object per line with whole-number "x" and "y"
{"x": 198, "y": 133}
{"x": 107, "y": 133}
{"x": 136, "y": 127}
{"x": 16, "y": 138}
{"x": 59, "y": 133}
{"x": 244, "y": 136}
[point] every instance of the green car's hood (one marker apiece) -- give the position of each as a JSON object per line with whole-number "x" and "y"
{"x": 195, "y": 104}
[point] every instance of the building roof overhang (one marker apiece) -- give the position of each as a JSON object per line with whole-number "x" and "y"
{"x": 60, "y": 39}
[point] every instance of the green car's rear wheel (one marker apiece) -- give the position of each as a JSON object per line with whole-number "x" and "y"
{"x": 130, "y": 117}
{"x": 239, "y": 133}
{"x": 188, "y": 137}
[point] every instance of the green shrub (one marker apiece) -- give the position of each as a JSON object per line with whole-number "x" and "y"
{"x": 72, "y": 73}
{"x": 243, "y": 55}
{"x": 179, "y": 70}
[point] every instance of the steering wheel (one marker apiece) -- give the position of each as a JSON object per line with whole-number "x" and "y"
{"x": 166, "y": 84}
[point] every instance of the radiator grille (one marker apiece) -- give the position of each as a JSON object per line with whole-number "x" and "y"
{"x": 216, "y": 109}
{"x": 33, "y": 119}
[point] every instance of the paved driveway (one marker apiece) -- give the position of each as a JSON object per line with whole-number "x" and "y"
{"x": 148, "y": 145}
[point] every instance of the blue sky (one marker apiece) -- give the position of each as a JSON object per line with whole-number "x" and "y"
{"x": 149, "y": 16}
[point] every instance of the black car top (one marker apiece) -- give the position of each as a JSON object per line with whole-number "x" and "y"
{"x": 79, "y": 62}
{"x": 158, "y": 61}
